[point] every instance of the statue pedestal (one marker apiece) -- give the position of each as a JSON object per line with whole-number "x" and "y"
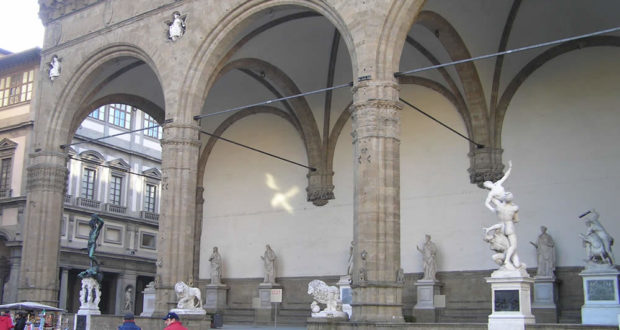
{"x": 148, "y": 301}
{"x": 543, "y": 306}
{"x": 90, "y": 295}
{"x": 216, "y": 297}
{"x": 511, "y": 303}
{"x": 264, "y": 311}
{"x": 600, "y": 292}
{"x": 426, "y": 309}
{"x": 346, "y": 294}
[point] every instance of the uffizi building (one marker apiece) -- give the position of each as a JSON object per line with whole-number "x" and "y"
{"x": 377, "y": 142}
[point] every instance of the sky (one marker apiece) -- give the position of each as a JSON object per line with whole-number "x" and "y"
{"x": 20, "y": 26}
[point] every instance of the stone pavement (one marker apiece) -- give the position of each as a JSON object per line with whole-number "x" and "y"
{"x": 245, "y": 327}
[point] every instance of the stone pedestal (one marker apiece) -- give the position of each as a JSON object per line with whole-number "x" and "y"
{"x": 264, "y": 311}
{"x": 148, "y": 300}
{"x": 426, "y": 308}
{"x": 600, "y": 293}
{"x": 346, "y": 294}
{"x": 543, "y": 306}
{"x": 511, "y": 303}
{"x": 90, "y": 295}
{"x": 215, "y": 301}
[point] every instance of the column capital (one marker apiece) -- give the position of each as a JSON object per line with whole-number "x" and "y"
{"x": 375, "y": 90}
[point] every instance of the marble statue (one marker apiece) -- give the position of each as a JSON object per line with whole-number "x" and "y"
{"x": 597, "y": 240}
{"x": 269, "y": 262}
{"x": 55, "y": 67}
{"x": 176, "y": 27}
{"x": 496, "y": 190}
{"x": 216, "y": 266}
{"x": 363, "y": 270}
{"x": 328, "y": 295}
{"x": 545, "y": 252}
{"x": 128, "y": 304}
{"x": 501, "y": 203}
{"x": 350, "y": 262}
{"x": 189, "y": 298}
{"x": 96, "y": 224}
{"x": 429, "y": 255}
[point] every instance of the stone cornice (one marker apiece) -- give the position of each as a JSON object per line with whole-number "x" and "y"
{"x": 50, "y": 10}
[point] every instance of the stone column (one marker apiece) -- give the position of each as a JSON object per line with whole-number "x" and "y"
{"x": 175, "y": 262}
{"x": 376, "y": 138}
{"x": 46, "y": 183}
{"x": 64, "y": 284}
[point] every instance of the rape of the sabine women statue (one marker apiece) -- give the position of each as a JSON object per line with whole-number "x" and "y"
{"x": 502, "y": 236}
{"x": 545, "y": 252}
{"x": 429, "y": 255}
{"x": 597, "y": 242}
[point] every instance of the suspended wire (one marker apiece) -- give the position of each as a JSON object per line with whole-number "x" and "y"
{"x": 350, "y": 84}
{"x": 63, "y": 146}
{"x": 479, "y": 146}
{"x": 312, "y": 169}
{"x": 516, "y": 50}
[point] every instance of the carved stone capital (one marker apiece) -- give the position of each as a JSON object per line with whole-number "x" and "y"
{"x": 376, "y": 118}
{"x": 47, "y": 177}
{"x": 320, "y": 188}
{"x": 486, "y": 165}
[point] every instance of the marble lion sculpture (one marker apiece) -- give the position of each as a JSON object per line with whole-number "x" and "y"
{"x": 189, "y": 298}
{"x": 324, "y": 294}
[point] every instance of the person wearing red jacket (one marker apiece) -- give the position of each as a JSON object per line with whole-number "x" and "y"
{"x": 172, "y": 322}
{"x": 5, "y": 321}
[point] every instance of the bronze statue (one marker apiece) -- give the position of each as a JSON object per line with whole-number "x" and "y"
{"x": 95, "y": 223}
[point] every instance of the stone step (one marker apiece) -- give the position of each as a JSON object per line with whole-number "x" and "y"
{"x": 465, "y": 315}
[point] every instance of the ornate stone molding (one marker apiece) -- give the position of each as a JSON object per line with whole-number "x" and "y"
{"x": 376, "y": 118}
{"x": 486, "y": 165}
{"x": 46, "y": 177}
{"x": 50, "y": 10}
{"x": 320, "y": 188}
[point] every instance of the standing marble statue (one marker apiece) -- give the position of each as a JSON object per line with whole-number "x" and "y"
{"x": 176, "y": 27}
{"x": 350, "y": 262}
{"x": 597, "y": 240}
{"x": 269, "y": 262}
{"x": 501, "y": 203}
{"x": 216, "y": 266}
{"x": 429, "y": 255}
{"x": 545, "y": 251}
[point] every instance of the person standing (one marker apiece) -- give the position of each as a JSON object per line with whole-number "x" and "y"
{"x": 5, "y": 321}
{"x": 20, "y": 324}
{"x": 129, "y": 323}
{"x": 173, "y": 322}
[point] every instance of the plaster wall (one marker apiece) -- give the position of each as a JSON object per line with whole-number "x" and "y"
{"x": 560, "y": 132}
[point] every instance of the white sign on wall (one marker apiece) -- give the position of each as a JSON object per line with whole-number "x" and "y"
{"x": 276, "y": 295}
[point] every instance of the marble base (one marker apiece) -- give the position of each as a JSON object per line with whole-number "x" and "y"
{"x": 511, "y": 302}
{"x": 600, "y": 293}
{"x": 543, "y": 306}
{"x": 148, "y": 302}
{"x": 426, "y": 310}
{"x": 194, "y": 311}
{"x": 216, "y": 297}
{"x": 346, "y": 294}
{"x": 264, "y": 312}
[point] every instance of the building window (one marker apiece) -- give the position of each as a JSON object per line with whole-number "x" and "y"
{"x": 5, "y": 177}
{"x": 16, "y": 88}
{"x": 155, "y": 131}
{"x": 88, "y": 183}
{"x": 99, "y": 113}
{"x": 119, "y": 115}
{"x": 116, "y": 187}
{"x": 150, "y": 197}
{"x": 148, "y": 241}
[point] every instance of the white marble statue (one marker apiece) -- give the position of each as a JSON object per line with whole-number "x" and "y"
{"x": 429, "y": 257}
{"x": 189, "y": 298}
{"x": 496, "y": 190}
{"x": 545, "y": 252}
{"x": 269, "y": 263}
{"x": 216, "y": 266}
{"x": 176, "y": 27}
{"x": 350, "y": 262}
{"x": 55, "y": 67}
{"x": 128, "y": 304}
{"x": 597, "y": 240}
{"x": 328, "y": 295}
{"x": 500, "y": 202}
